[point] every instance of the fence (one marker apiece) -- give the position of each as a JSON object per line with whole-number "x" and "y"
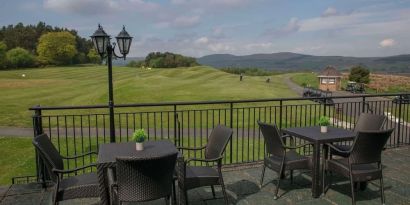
{"x": 79, "y": 129}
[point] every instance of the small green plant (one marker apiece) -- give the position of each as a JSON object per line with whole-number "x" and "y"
{"x": 324, "y": 121}
{"x": 139, "y": 136}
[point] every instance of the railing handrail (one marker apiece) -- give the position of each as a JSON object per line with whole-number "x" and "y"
{"x": 210, "y": 102}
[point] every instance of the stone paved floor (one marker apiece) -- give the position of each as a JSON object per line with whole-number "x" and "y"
{"x": 243, "y": 188}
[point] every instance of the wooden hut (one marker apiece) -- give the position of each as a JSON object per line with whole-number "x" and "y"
{"x": 330, "y": 79}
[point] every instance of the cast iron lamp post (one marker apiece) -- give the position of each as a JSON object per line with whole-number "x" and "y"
{"x": 102, "y": 43}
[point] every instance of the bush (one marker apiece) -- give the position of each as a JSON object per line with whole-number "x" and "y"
{"x": 250, "y": 71}
{"x": 3, "y": 51}
{"x": 359, "y": 74}
{"x": 57, "y": 47}
{"x": 168, "y": 60}
{"x": 19, "y": 57}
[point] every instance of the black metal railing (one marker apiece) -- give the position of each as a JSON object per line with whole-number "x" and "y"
{"x": 80, "y": 129}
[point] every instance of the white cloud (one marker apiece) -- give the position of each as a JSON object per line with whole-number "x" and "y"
{"x": 258, "y": 46}
{"x": 93, "y": 7}
{"x": 202, "y": 40}
{"x": 219, "y": 47}
{"x": 388, "y": 42}
{"x": 330, "y": 11}
{"x": 291, "y": 27}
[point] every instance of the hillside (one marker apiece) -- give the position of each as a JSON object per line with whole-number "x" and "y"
{"x": 55, "y": 86}
{"x": 286, "y": 61}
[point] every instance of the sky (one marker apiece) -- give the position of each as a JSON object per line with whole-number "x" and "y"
{"x": 360, "y": 28}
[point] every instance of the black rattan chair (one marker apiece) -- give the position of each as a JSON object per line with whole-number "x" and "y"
{"x": 363, "y": 161}
{"x": 190, "y": 177}
{"x": 280, "y": 157}
{"x": 138, "y": 180}
{"x": 366, "y": 121}
{"x": 79, "y": 186}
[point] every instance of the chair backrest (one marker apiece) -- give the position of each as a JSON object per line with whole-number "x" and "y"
{"x": 145, "y": 179}
{"x": 369, "y": 121}
{"x": 49, "y": 154}
{"x": 368, "y": 146}
{"x": 217, "y": 141}
{"x": 273, "y": 140}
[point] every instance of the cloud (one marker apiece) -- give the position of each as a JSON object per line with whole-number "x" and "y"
{"x": 330, "y": 11}
{"x": 202, "y": 40}
{"x": 291, "y": 27}
{"x": 94, "y": 7}
{"x": 388, "y": 42}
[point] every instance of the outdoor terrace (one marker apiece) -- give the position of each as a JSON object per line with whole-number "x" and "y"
{"x": 243, "y": 188}
{"x": 76, "y": 130}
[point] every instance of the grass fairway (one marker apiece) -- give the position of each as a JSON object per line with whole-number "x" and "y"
{"x": 88, "y": 86}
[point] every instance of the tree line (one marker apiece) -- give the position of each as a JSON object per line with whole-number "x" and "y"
{"x": 164, "y": 60}
{"x": 41, "y": 45}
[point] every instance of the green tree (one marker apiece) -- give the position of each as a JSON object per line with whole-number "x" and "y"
{"x": 3, "y": 50}
{"x": 359, "y": 74}
{"x": 19, "y": 57}
{"x": 57, "y": 47}
{"x": 93, "y": 56}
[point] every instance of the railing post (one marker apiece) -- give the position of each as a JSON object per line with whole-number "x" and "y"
{"x": 38, "y": 130}
{"x": 231, "y": 126}
{"x": 176, "y": 135}
{"x": 399, "y": 121}
{"x": 280, "y": 114}
{"x": 324, "y": 106}
{"x": 363, "y": 104}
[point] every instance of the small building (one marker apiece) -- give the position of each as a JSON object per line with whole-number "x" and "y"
{"x": 330, "y": 79}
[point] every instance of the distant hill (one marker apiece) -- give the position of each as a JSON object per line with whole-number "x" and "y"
{"x": 297, "y": 62}
{"x": 122, "y": 62}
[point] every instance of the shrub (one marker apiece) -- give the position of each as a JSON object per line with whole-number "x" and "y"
{"x": 3, "y": 51}
{"x": 359, "y": 74}
{"x": 19, "y": 57}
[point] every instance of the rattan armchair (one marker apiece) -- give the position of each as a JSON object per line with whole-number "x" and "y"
{"x": 79, "y": 186}
{"x": 281, "y": 157}
{"x": 366, "y": 121}
{"x": 190, "y": 177}
{"x": 138, "y": 180}
{"x": 363, "y": 161}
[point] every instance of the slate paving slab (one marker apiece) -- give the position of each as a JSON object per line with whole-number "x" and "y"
{"x": 243, "y": 188}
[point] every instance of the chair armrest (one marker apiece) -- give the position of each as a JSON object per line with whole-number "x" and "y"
{"x": 337, "y": 149}
{"x": 203, "y": 160}
{"x": 292, "y": 139}
{"x": 59, "y": 171}
{"x": 81, "y": 155}
{"x": 297, "y": 147}
{"x": 192, "y": 148}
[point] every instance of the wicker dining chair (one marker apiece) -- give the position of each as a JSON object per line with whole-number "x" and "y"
{"x": 190, "y": 177}
{"x": 363, "y": 161}
{"x": 280, "y": 157}
{"x": 139, "y": 180}
{"x": 78, "y": 186}
{"x": 366, "y": 121}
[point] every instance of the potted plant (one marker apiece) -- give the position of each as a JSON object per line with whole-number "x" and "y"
{"x": 324, "y": 122}
{"x": 139, "y": 138}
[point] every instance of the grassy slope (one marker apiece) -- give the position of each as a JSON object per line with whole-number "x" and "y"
{"x": 88, "y": 86}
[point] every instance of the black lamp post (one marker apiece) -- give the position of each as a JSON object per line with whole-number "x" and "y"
{"x": 102, "y": 43}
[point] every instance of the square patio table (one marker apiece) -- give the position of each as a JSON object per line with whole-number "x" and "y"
{"x": 108, "y": 153}
{"x": 314, "y": 136}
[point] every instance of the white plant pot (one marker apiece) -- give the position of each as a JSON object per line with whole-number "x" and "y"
{"x": 323, "y": 129}
{"x": 139, "y": 146}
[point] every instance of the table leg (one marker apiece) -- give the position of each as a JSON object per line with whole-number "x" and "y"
{"x": 104, "y": 199}
{"x": 316, "y": 176}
